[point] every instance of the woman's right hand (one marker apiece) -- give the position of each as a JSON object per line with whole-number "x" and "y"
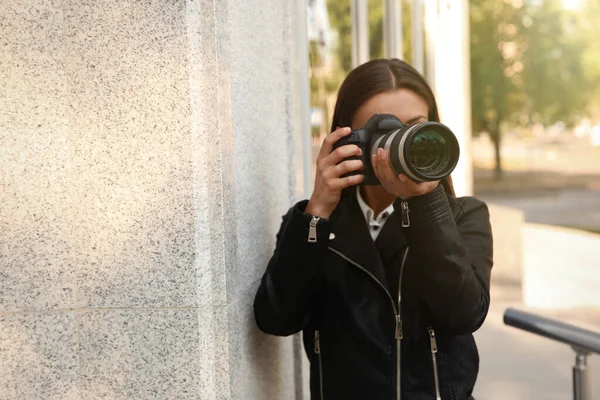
{"x": 330, "y": 167}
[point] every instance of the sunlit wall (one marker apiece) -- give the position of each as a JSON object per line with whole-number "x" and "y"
{"x": 146, "y": 156}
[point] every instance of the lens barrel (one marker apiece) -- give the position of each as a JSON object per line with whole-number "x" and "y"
{"x": 427, "y": 151}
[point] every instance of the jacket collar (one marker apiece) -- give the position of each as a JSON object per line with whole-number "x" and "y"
{"x": 369, "y": 214}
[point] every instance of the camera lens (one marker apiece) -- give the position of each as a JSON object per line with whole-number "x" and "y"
{"x": 428, "y": 152}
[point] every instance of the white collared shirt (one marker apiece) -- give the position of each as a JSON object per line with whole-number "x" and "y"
{"x": 375, "y": 223}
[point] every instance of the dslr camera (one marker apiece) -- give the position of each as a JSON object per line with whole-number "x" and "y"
{"x": 425, "y": 151}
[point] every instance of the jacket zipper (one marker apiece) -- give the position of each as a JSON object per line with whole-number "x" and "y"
{"x": 318, "y": 353}
{"x": 312, "y": 230}
{"x": 434, "y": 351}
{"x": 405, "y": 222}
{"x": 404, "y": 214}
{"x": 398, "y": 334}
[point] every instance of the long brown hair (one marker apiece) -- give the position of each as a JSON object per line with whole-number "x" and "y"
{"x": 377, "y": 76}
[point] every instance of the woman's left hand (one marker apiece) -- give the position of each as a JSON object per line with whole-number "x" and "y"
{"x": 398, "y": 185}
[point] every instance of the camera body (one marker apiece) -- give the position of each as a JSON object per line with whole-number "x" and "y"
{"x": 427, "y": 151}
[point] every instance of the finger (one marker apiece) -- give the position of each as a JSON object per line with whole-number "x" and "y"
{"x": 409, "y": 182}
{"x": 386, "y": 171}
{"x": 339, "y": 184}
{"x": 331, "y": 139}
{"x": 345, "y": 167}
{"x": 341, "y": 153}
{"x": 380, "y": 164}
{"x": 376, "y": 166}
{"x": 352, "y": 180}
{"x": 415, "y": 188}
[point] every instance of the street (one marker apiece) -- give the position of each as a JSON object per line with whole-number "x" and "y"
{"x": 570, "y": 208}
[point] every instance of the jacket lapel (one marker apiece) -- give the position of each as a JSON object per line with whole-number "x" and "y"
{"x": 352, "y": 238}
{"x": 391, "y": 240}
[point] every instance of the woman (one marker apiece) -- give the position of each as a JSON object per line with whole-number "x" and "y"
{"x": 387, "y": 282}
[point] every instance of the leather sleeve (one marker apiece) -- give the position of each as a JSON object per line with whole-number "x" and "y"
{"x": 282, "y": 302}
{"x": 454, "y": 259}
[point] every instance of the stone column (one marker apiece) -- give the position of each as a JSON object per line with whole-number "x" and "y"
{"x": 449, "y": 72}
{"x": 146, "y": 156}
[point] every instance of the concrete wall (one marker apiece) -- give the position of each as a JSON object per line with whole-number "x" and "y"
{"x": 145, "y": 159}
{"x": 543, "y": 266}
{"x": 562, "y": 268}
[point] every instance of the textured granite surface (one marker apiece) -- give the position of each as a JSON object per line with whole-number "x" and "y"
{"x": 246, "y": 98}
{"x": 146, "y": 354}
{"x": 244, "y": 152}
{"x": 129, "y": 117}
{"x": 149, "y": 160}
{"x": 38, "y": 357}
{"x": 36, "y": 272}
{"x": 210, "y": 98}
{"x": 263, "y": 131}
{"x": 261, "y": 366}
{"x": 239, "y": 362}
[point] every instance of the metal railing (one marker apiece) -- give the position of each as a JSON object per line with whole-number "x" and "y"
{"x": 584, "y": 342}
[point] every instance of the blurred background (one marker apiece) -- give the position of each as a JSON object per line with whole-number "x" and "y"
{"x": 535, "y": 96}
{"x": 531, "y": 131}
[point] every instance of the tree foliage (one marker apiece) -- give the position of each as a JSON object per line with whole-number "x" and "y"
{"x": 532, "y": 61}
{"x": 589, "y": 29}
{"x": 526, "y": 65}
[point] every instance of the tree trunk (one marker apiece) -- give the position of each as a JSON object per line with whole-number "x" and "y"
{"x": 495, "y": 136}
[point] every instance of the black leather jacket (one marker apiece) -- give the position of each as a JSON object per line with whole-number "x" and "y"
{"x": 364, "y": 338}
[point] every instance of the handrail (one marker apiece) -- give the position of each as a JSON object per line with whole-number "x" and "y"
{"x": 578, "y": 338}
{"x": 581, "y": 340}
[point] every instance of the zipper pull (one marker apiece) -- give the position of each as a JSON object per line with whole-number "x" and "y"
{"x": 312, "y": 230}
{"x": 405, "y": 217}
{"x": 432, "y": 340}
{"x": 399, "y": 334}
{"x": 317, "y": 343}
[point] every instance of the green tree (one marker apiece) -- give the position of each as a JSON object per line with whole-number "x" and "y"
{"x": 496, "y": 84}
{"x": 526, "y": 66}
{"x": 555, "y": 84}
{"x": 588, "y": 18}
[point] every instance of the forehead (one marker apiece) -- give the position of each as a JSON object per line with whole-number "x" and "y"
{"x": 403, "y": 103}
